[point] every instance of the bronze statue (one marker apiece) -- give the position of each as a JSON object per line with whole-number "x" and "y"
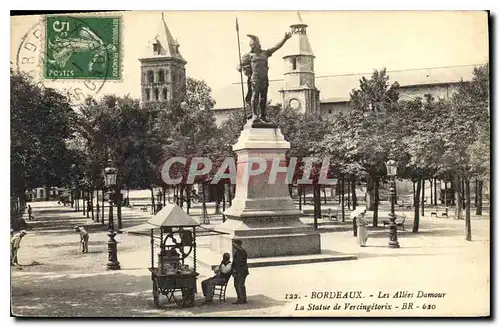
{"x": 257, "y": 59}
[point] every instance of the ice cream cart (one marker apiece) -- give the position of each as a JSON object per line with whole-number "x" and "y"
{"x": 173, "y": 232}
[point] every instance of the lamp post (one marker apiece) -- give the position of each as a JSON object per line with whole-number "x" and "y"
{"x": 393, "y": 232}
{"x": 110, "y": 182}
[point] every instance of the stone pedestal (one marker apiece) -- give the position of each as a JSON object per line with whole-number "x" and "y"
{"x": 262, "y": 214}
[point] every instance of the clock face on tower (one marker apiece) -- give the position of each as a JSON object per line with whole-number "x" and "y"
{"x": 294, "y": 103}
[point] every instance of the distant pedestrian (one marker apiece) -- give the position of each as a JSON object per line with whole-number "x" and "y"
{"x": 30, "y": 213}
{"x": 84, "y": 238}
{"x": 15, "y": 244}
{"x": 89, "y": 206}
{"x": 240, "y": 271}
{"x": 362, "y": 228}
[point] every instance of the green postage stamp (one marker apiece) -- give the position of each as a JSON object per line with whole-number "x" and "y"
{"x": 79, "y": 47}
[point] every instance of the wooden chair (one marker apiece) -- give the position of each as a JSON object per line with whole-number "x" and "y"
{"x": 400, "y": 221}
{"x": 220, "y": 291}
{"x": 332, "y": 214}
{"x": 443, "y": 214}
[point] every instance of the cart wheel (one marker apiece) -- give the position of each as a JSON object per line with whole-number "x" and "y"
{"x": 156, "y": 294}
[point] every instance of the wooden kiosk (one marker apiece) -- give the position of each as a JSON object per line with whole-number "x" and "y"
{"x": 173, "y": 232}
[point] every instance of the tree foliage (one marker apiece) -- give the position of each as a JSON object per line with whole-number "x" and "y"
{"x": 42, "y": 122}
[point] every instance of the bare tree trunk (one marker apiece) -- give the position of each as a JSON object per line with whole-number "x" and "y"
{"x": 118, "y": 201}
{"x": 458, "y": 199}
{"x": 342, "y": 197}
{"x": 87, "y": 203}
{"x": 153, "y": 200}
{"x": 414, "y": 193}
{"x": 423, "y": 196}
{"x": 395, "y": 194}
{"x": 317, "y": 203}
{"x": 188, "y": 198}
{"x": 416, "y": 221}
{"x": 92, "y": 202}
{"x": 370, "y": 194}
{"x": 479, "y": 195}
{"x": 83, "y": 203}
{"x": 102, "y": 216}
{"x": 339, "y": 185}
{"x": 468, "y": 235}
{"x": 97, "y": 205}
{"x": 353, "y": 190}
{"x": 432, "y": 194}
{"x": 204, "y": 203}
{"x": 223, "y": 202}
{"x": 349, "y": 195}
{"x": 299, "y": 190}
{"x": 463, "y": 193}
{"x": 435, "y": 192}
{"x": 375, "y": 203}
{"x": 324, "y": 193}
{"x": 445, "y": 193}
{"x": 475, "y": 192}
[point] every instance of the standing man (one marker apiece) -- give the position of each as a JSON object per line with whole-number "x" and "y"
{"x": 257, "y": 59}
{"x": 240, "y": 271}
{"x": 15, "y": 244}
{"x": 30, "y": 211}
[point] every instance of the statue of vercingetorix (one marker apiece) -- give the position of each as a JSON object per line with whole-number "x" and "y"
{"x": 256, "y": 62}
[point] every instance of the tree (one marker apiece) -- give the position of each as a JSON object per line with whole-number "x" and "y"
{"x": 42, "y": 121}
{"x": 374, "y": 101}
{"x": 469, "y": 138}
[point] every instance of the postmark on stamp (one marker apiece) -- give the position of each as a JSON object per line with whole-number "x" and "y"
{"x": 79, "y": 47}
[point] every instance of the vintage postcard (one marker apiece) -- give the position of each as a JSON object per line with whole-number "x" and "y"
{"x": 250, "y": 163}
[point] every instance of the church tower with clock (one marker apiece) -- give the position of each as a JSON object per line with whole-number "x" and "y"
{"x": 163, "y": 73}
{"x": 299, "y": 90}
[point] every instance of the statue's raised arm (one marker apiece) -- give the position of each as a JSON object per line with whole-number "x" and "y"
{"x": 280, "y": 44}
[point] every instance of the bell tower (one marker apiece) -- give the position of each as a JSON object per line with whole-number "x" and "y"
{"x": 163, "y": 74}
{"x": 299, "y": 90}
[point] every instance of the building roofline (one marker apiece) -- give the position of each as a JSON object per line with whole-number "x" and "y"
{"x": 388, "y": 72}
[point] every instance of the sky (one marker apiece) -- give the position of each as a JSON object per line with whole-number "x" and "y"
{"x": 343, "y": 42}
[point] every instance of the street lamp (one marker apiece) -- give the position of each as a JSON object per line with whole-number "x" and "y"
{"x": 392, "y": 170}
{"x": 110, "y": 182}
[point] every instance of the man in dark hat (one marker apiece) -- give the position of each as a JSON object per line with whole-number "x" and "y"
{"x": 240, "y": 271}
{"x": 257, "y": 59}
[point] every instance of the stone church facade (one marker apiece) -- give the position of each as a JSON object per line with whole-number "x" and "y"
{"x": 163, "y": 73}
